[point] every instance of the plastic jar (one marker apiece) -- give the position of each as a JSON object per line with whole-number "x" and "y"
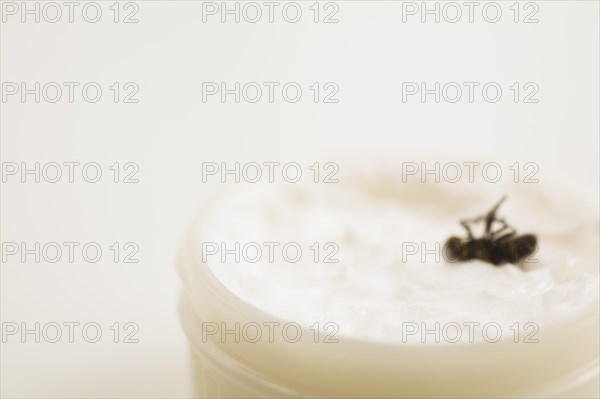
{"x": 562, "y": 363}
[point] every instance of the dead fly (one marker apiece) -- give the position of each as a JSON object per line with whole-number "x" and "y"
{"x": 496, "y": 247}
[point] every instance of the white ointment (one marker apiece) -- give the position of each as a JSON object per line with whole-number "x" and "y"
{"x": 391, "y": 277}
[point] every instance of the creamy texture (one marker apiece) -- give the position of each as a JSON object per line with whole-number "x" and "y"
{"x": 372, "y": 291}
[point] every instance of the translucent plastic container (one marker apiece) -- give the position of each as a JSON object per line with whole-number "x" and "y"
{"x": 564, "y": 363}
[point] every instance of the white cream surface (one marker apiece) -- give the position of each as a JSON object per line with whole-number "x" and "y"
{"x": 372, "y": 290}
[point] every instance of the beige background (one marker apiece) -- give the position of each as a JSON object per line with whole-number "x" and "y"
{"x": 170, "y": 132}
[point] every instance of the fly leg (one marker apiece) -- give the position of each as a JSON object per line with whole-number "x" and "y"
{"x": 504, "y": 232}
{"x": 465, "y": 224}
{"x": 490, "y": 217}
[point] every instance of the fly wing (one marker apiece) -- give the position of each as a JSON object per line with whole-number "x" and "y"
{"x": 518, "y": 248}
